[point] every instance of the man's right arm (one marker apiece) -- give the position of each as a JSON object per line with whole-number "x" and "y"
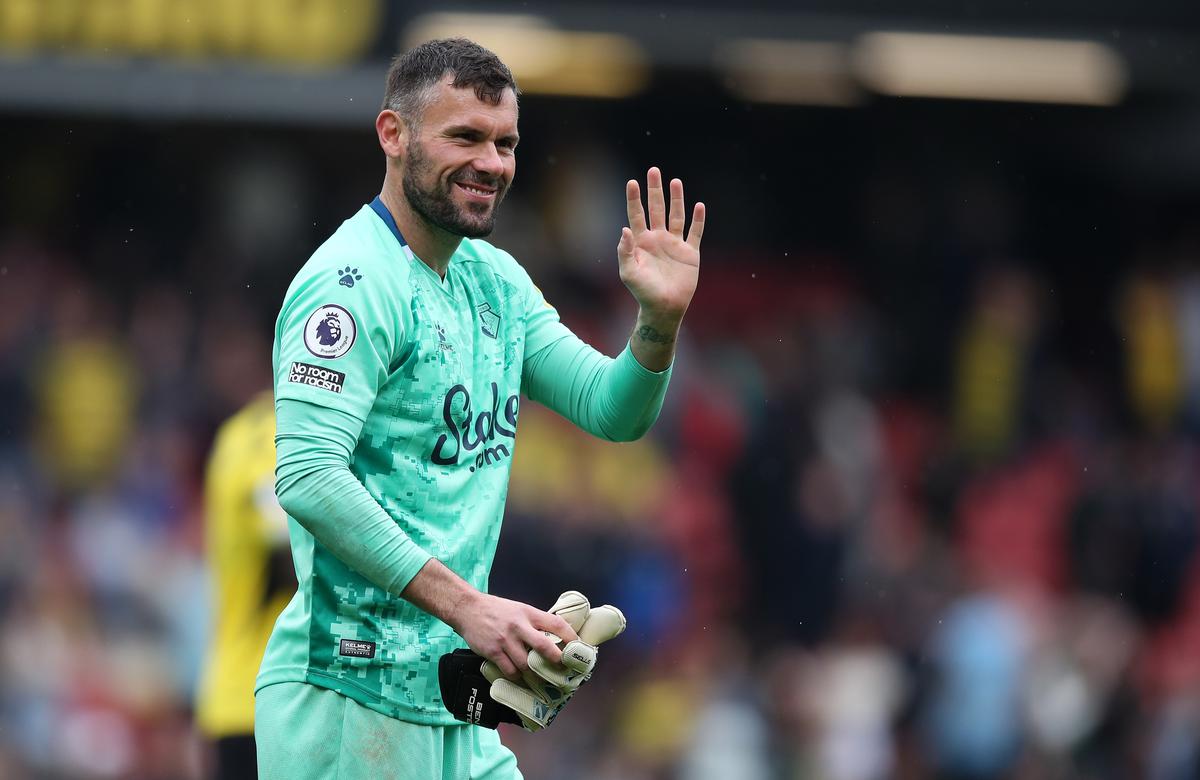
{"x": 314, "y": 485}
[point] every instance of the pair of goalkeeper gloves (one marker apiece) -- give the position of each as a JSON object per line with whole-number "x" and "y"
{"x": 475, "y": 691}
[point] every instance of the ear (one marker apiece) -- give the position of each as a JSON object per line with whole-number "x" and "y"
{"x": 393, "y": 133}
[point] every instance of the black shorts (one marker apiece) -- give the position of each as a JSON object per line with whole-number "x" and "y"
{"x": 235, "y": 758}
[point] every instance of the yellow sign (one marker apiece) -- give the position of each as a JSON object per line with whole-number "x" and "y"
{"x": 305, "y": 32}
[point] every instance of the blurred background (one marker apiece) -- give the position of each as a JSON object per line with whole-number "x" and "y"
{"x": 923, "y": 501}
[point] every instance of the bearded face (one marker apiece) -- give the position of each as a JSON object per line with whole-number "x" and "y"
{"x": 435, "y": 198}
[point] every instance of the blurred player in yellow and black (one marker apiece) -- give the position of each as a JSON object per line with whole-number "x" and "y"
{"x": 253, "y": 579}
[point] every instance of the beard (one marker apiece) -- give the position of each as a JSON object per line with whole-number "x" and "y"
{"x": 434, "y": 202}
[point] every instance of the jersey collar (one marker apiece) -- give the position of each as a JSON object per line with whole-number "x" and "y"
{"x": 380, "y": 209}
{"x": 382, "y": 212}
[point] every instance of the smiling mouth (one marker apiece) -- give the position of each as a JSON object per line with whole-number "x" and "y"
{"x": 476, "y": 190}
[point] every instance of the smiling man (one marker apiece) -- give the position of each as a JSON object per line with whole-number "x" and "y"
{"x": 401, "y": 352}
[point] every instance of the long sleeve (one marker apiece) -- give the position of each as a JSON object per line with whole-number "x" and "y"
{"x": 315, "y": 486}
{"x": 614, "y": 399}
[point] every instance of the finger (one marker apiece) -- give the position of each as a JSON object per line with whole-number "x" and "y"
{"x": 625, "y": 246}
{"x": 603, "y": 623}
{"x": 696, "y": 232}
{"x": 555, "y": 624}
{"x": 546, "y": 622}
{"x": 518, "y": 654}
{"x": 505, "y": 665}
{"x": 676, "y": 218}
{"x": 654, "y": 199}
{"x": 573, "y": 607}
{"x": 544, "y": 645}
{"x": 626, "y": 255}
{"x": 633, "y": 206}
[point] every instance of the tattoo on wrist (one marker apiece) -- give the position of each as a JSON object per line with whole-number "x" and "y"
{"x": 647, "y": 333}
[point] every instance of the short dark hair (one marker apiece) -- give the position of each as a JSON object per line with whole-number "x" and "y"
{"x": 413, "y": 73}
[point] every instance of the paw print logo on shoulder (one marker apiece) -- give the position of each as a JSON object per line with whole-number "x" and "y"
{"x": 348, "y": 276}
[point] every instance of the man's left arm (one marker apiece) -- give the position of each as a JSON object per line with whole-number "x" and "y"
{"x": 619, "y": 399}
{"x": 659, "y": 266}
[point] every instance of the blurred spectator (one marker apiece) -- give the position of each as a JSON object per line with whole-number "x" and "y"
{"x": 252, "y": 580}
{"x": 1075, "y": 689}
{"x": 973, "y": 721}
{"x": 855, "y": 688}
{"x": 1153, "y": 360}
{"x": 994, "y": 364}
{"x": 85, "y": 390}
{"x": 1188, "y": 312}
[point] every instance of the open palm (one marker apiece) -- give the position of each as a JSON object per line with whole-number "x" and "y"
{"x": 658, "y": 265}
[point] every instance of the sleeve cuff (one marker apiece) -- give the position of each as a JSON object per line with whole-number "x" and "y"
{"x": 415, "y": 560}
{"x": 631, "y": 363}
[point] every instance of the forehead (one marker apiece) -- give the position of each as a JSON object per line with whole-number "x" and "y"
{"x": 452, "y": 105}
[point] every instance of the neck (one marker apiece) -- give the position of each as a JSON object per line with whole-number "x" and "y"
{"x": 432, "y": 245}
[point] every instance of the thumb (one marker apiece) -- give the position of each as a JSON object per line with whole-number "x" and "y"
{"x": 625, "y": 253}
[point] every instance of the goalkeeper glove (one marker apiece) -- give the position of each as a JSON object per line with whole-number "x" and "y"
{"x": 545, "y": 688}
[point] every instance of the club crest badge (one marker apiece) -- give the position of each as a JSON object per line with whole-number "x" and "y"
{"x": 489, "y": 320}
{"x": 330, "y": 331}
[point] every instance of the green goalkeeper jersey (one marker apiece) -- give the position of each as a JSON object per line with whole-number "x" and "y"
{"x": 424, "y": 374}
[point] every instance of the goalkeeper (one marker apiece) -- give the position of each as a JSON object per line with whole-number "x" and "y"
{"x": 401, "y": 351}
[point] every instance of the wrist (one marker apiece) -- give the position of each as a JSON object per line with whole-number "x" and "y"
{"x": 463, "y": 603}
{"x": 657, "y": 329}
{"x": 660, "y": 321}
{"x": 653, "y": 340}
{"x": 443, "y": 594}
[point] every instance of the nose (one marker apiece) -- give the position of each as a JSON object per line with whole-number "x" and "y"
{"x": 489, "y": 161}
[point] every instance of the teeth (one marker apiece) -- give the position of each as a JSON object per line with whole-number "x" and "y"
{"x": 476, "y": 190}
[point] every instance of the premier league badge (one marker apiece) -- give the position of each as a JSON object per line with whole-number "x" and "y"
{"x": 330, "y": 332}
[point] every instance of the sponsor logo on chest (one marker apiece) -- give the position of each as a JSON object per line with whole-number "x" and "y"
{"x": 478, "y": 433}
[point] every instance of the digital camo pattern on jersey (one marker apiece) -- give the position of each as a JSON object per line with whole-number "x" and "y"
{"x": 433, "y": 371}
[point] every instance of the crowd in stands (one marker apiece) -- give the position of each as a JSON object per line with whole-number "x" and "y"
{"x": 826, "y": 573}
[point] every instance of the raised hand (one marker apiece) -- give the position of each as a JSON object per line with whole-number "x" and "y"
{"x": 657, "y": 264}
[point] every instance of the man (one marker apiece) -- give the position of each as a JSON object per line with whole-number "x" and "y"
{"x": 400, "y": 353}
{"x": 252, "y": 576}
